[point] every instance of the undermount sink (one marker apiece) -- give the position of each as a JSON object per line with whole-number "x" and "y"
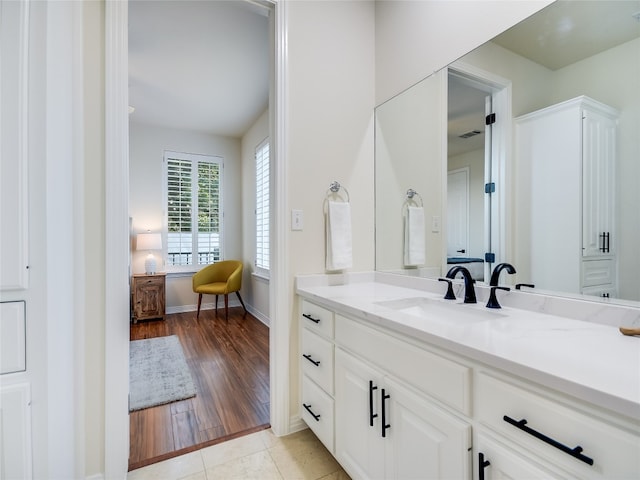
{"x": 441, "y": 310}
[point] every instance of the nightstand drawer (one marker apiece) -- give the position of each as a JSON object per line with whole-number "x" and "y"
{"x": 148, "y": 296}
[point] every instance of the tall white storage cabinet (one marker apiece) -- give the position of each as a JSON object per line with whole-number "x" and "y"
{"x": 568, "y": 153}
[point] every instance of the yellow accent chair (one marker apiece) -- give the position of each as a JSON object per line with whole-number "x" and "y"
{"x": 221, "y": 278}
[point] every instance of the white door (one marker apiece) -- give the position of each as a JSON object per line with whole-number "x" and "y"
{"x": 598, "y": 160}
{"x": 458, "y": 213}
{"x": 359, "y": 443}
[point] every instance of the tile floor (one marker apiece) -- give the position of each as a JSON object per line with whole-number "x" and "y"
{"x": 260, "y": 455}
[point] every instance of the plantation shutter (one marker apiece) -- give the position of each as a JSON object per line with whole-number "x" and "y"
{"x": 262, "y": 207}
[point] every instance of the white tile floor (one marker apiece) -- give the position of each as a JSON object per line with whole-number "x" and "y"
{"x": 260, "y": 455}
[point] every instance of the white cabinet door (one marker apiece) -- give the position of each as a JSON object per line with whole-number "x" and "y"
{"x": 359, "y": 445}
{"x": 598, "y": 180}
{"x": 496, "y": 461}
{"x": 422, "y": 440}
{"x": 386, "y": 431}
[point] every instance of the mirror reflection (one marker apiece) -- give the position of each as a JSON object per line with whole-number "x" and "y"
{"x": 432, "y": 138}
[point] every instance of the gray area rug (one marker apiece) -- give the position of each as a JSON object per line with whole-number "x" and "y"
{"x": 158, "y": 373}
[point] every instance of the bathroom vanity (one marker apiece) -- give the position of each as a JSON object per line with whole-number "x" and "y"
{"x": 399, "y": 383}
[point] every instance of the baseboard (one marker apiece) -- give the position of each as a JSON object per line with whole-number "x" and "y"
{"x": 296, "y": 424}
{"x": 210, "y": 306}
{"x": 259, "y": 315}
{"x": 97, "y": 476}
{"x": 205, "y": 306}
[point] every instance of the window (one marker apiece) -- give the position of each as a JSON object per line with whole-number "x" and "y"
{"x": 193, "y": 209}
{"x": 262, "y": 208}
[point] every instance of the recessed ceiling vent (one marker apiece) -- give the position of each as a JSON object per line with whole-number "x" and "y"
{"x": 470, "y": 134}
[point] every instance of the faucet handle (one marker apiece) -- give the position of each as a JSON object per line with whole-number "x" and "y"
{"x": 449, "y": 295}
{"x": 493, "y": 300}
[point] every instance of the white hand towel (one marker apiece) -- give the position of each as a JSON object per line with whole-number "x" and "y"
{"x": 414, "y": 241}
{"x": 339, "y": 250}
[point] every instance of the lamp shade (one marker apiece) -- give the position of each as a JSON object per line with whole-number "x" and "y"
{"x": 149, "y": 241}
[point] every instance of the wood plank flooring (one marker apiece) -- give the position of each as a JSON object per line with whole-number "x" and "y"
{"x": 229, "y": 362}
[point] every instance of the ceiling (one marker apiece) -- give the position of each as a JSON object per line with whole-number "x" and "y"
{"x": 198, "y": 65}
{"x": 563, "y": 33}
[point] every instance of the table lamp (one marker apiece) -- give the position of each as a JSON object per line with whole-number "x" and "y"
{"x": 149, "y": 241}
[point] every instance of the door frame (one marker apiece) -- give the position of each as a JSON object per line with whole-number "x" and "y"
{"x": 501, "y": 146}
{"x": 117, "y": 236}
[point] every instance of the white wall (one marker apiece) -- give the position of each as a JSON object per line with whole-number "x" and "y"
{"x": 330, "y": 90}
{"x": 255, "y": 288}
{"x": 147, "y": 144}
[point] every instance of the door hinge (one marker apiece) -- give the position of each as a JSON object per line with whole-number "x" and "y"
{"x": 490, "y": 119}
{"x": 490, "y": 187}
{"x": 490, "y": 257}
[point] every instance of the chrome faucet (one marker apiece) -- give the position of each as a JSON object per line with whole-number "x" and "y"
{"x": 469, "y": 291}
{"x": 496, "y": 273}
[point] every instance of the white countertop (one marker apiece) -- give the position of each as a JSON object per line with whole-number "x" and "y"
{"x": 590, "y": 361}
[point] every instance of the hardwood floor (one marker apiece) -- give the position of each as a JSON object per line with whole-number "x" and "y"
{"x": 229, "y": 362}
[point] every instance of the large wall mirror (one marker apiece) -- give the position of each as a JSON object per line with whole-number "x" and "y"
{"x": 468, "y": 183}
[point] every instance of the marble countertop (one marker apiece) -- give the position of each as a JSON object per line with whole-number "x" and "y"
{"x": 590, "y": 361}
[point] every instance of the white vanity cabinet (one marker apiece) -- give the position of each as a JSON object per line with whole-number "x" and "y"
{"x": 394, "y": 406}
{"x": 385, "y": 427}
{"x": 565, "y": 157}
{"x": 316, "y": 364}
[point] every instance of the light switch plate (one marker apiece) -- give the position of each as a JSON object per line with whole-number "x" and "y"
{"x": 435, "y": 223}
{"x": 297, "y": 220}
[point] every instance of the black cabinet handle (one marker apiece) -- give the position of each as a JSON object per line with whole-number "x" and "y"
{"x": 605, "y": 237}
{"x": 372, "y": 415}
{"x": 384, "y": 397}
{"x": 308, "y": 408}
{"x": 309, "y": 317}
{"x": 482, "y": 464}
{"x": 308, "y": 357}
{"x": 574, "y": 452}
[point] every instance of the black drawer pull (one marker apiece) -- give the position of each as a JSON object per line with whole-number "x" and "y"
{"x": 482, "y": 464}
{"x": 308, "y": 408}
{"x": 574, "y": 452}
{"x": 384, "y": 423}
{"x": 372, "y": 415}
{"x": 308, "y": 357}
{"x": 309, "y": 317}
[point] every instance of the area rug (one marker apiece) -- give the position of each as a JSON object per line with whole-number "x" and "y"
{"x": 158, "y": 373}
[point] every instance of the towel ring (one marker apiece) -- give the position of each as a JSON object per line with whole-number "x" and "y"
{"x": 335, "y": 188}
{"x": 412, "y": 193}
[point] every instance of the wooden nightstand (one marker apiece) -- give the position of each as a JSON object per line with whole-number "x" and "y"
{"x": 148, "y": 296}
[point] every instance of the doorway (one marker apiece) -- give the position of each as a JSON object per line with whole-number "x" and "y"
{"x": 478, "y": 125}
{"x": 181, "y": 126}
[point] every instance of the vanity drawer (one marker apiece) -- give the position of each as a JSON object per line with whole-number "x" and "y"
{"x": 317, "y": 359}
{"x": 317, "y": 412}
{"x": 318, "y": 319}
{"x": 597, "y": 272}
{"x": 431, "y": 373}
{"x": 613, "y": 452}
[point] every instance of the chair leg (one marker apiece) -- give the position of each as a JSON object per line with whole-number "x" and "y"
{"x": 199, "y": 303}
{"x": 216, "y": 304}
{"x": 226, "y": 307}
{"x": 240, "y": 298}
